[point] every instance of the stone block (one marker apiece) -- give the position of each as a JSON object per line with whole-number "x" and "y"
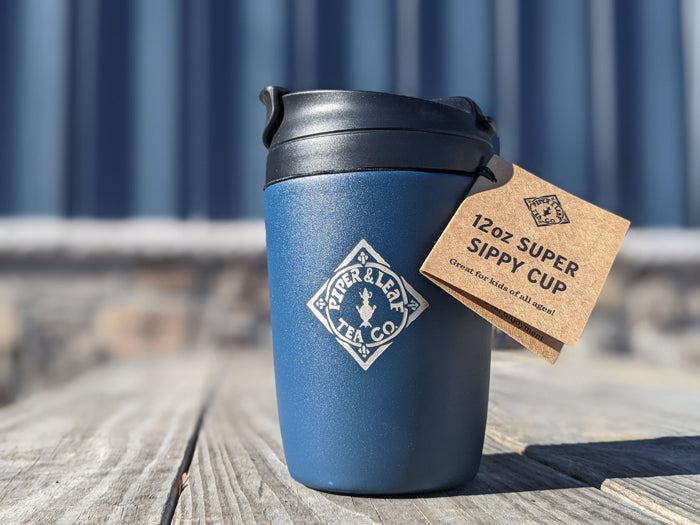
{"x": 655, "y": 302}
{"x": 178, "y": 278}
{"x": 10, "y": 334}
{"x": 134, "y": 326}
{"x": 243, "y": 286}
{"x": 692, "y": 304}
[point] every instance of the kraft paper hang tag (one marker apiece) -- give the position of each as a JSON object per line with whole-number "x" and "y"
{"x": 527, "y": 256}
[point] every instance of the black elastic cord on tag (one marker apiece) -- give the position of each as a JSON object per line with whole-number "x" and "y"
{"x": 485, "y": 171}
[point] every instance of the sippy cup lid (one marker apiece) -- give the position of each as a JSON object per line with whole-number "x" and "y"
{"x": 333, "y": 131}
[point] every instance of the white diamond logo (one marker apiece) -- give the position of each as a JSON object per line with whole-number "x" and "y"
{"x": 365, "y": 304}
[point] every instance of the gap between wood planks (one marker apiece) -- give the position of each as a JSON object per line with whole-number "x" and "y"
{"x": 180, "y": 481}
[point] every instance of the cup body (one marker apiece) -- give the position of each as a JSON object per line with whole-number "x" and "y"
{"x": 382, "y": 378}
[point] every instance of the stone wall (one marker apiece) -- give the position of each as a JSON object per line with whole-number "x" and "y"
{"x": 74, "y": 294}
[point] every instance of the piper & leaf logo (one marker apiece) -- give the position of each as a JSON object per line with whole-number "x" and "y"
{"x": 547, "y": 210}
{"x": 365, "y": 304}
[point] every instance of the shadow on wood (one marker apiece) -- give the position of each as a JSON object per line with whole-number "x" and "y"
{"x": 593, "y": 463}
{"x": 585, "y": 464}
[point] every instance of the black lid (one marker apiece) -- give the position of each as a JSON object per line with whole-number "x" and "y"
{"x": 314, "y": 132}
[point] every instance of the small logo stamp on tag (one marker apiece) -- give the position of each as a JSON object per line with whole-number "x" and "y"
{"x": 547, "y": 210}
{"x": 365, "y": 304}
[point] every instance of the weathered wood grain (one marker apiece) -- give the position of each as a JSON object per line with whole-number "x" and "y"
{"x": 238, "y": 475}
{"x": 630, "y": 429}
{"x": 103, "y": 449}
{"x": 108, "y": 447}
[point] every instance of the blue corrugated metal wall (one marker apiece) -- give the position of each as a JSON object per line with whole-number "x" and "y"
{"x": 119, "y": 108}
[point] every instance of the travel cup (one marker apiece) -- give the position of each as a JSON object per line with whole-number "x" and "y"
{"x": 382, "y": 378}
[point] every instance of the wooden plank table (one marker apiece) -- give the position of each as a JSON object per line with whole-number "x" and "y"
{"x": 195, "y": 439}
{"x": 105, "y": 448}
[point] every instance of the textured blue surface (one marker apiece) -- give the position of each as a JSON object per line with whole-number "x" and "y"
{"x": 414, "y": 420}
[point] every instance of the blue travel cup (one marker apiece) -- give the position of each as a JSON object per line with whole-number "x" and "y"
{"x": 382, "y": 378}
